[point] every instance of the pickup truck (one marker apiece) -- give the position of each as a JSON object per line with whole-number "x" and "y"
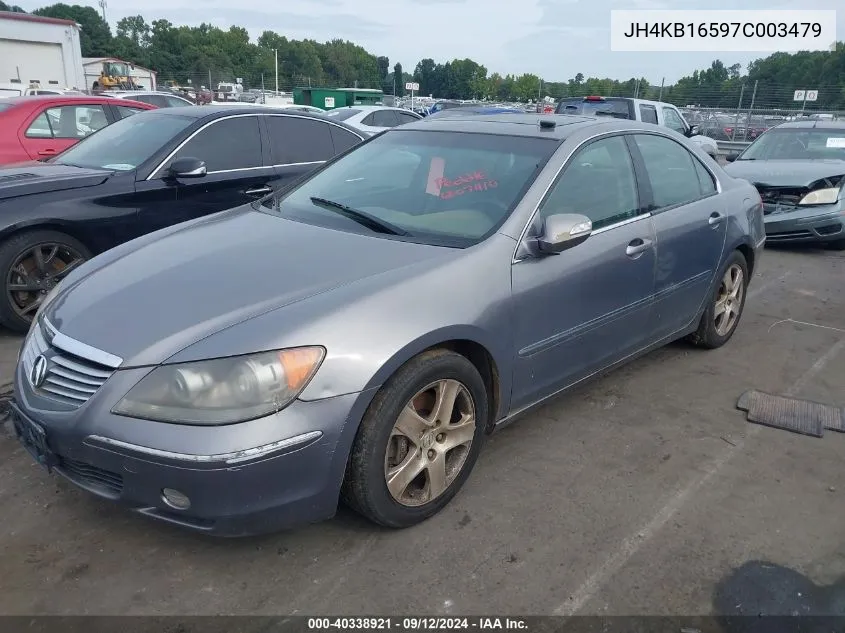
{"x": 656, "y": 112}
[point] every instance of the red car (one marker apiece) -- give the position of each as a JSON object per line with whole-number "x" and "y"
{"x": 34, "y": 128}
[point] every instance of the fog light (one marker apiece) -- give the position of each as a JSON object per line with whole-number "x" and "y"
{"x": 175, "y": 499}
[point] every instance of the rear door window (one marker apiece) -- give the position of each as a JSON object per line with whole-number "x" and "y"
{"x": 226, "y": 144}
{"x": 125, "y": 111}
{"x": 297, "y": 139}
{"x": 385, "y": 118}
{"x": 671, "y": 170}
{"x": 405, "y": 117}
{"x": 342, "y": 139}
{"x": 175, "y": 102}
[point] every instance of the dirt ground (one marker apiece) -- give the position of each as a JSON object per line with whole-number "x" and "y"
{"x": 645, "y": 492}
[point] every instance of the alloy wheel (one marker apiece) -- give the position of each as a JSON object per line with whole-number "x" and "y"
{"x": 729, "y": 300}
{"x": 429, "y": 443}
{"x": 35, "y": 272}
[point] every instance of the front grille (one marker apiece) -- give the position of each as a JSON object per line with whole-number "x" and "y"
{"x": 85, "y": 474}
{"x": 71, "y": 379}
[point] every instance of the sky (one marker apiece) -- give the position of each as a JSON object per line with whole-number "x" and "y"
{"x": 555, "y": 39}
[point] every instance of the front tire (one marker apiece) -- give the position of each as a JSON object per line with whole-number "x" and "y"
{"x": 724, "y": 310}
{"x": 32, "y": 264}
{"x": 838, "y": 245}
{"x": 418, "y": 441}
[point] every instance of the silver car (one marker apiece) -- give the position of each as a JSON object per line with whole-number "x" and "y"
{"x": 799, "y": 170}
{"x": 374, "y": 119}
{"x": 359, "y": 335}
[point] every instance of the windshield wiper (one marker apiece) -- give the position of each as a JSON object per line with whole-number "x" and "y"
{"x": 361, "y": 217}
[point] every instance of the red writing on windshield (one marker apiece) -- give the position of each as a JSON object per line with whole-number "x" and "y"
{"x": 461, "y": 180}
{"x": 468, "y": 188}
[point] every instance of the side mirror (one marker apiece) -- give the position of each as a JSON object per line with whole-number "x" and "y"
{"x": 731, "y": 157}
{"x": 187, "y": 167}
{"x": 693, "y": 130}
{"x": 563, "y": 231}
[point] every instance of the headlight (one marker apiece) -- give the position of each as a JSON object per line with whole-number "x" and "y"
{"x": 821, "y": 196}
{"x": 223, "y": 390}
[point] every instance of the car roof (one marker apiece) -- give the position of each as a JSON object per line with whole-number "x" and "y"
{"x": 814, "y": 123}
{"x": 515, "y": 124}
{"x": 371, "y": 107}
{"x": 127, "y": 93}
{"x": 213, "y": 111}
{"x": 63, "y": 97}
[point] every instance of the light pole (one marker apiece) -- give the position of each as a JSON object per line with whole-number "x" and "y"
{"x": 276, "y": 55}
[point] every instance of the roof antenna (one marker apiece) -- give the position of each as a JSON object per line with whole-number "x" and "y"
{"x": 547, "y": 124}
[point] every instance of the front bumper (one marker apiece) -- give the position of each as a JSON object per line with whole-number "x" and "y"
{"x": 820, "y": 224}
{"x": 235, "y": 491}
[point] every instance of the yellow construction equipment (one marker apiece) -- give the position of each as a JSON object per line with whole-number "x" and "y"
{"x": 115, "y": 76}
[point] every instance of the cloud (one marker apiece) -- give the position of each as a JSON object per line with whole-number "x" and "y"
{"x": 555, "y": 39}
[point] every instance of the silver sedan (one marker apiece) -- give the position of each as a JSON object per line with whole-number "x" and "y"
{"x": 374, "y": 119}
{"x": 359, "y": 335}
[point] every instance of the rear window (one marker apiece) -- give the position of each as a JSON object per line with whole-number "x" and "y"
{"x": 343, "y": 114}
{"x": 5, "y": 106}
{"x": 608, "y": 107}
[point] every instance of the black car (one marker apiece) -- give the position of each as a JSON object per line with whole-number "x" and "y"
{"x": 143, "y": 173}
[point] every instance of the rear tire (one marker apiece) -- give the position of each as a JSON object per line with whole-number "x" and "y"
{"x": 726, "y": 305}
{"x": 415, "y": 447}
{"x": 34, "y": 274}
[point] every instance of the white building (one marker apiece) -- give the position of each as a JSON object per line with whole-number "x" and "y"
{"x": 94, "y": 65}
{"x": 41, "y": 50}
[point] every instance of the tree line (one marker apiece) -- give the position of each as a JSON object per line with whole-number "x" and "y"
{"x": 204, "y": 52}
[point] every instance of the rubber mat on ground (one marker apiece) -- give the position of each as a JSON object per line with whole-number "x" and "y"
{"x": 791, "y": 414}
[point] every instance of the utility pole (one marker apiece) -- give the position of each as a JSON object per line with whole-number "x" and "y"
{"x": 738, "y": 108}
{"x": 276, "y": 55}
{"x": 662, "y": 81}
{"x": 750, "y": 108}
{"x": 103, "y": 5}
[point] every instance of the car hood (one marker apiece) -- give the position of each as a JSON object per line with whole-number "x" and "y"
{"x": 786, "y": 173}
{"x": 154, "y": 300}
{"x": 27, "y": 178}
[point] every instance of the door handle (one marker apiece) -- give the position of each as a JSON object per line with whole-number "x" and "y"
{"x": 637, "y": 247}
{"x": 259, "y": 191}
{"x": 715, "y": 218}
{"x": 47, "y": 152}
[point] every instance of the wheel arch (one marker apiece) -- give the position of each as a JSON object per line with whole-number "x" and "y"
{"x": 60, "y": 226}
{"x": 472, "y": 343}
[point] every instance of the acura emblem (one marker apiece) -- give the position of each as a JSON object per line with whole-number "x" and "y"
{"x": 39, "y": 371}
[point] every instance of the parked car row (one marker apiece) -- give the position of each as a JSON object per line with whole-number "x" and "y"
{"x": 285, "y": 311}
{"x": 138, "y": 175}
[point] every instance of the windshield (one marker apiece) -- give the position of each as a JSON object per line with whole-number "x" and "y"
{"x": 617, "y": 108}
{"x": 117, "y": 70}
{"x": 6, "y": 106}
{"x": 442, "y": 188}
{"x": 343, "y": 114}
{"x": 126, "y": 144}
{"x": 797, "y": 144}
